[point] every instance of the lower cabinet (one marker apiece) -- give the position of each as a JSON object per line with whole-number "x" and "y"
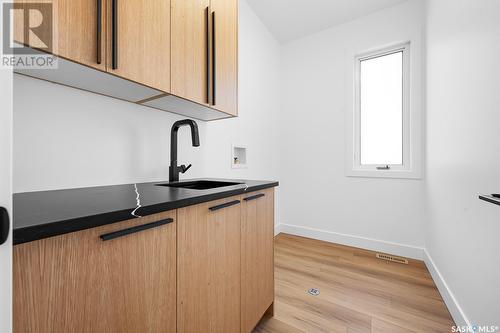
{"x": 80, "y": 282}
{"x": 203, "y": 268}
{"x": 257, "y": 257}
{"x": 208, "y": 267}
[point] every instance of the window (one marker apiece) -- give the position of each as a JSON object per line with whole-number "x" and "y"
{"x": 382, "y": 115}
{"x": 381, "y": 109}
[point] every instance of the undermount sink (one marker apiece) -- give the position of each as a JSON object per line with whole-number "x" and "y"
{"x": 199, "y": 184}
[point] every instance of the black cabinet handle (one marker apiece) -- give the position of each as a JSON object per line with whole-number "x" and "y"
{"x": 99, "y": 31}
{"x": 207, "y": 17}
{"x": 4, "y": 225}
{"x": 227, "y": 204}
{"x": 214, "y": 61}
{"x": 114, "y": 42}
{"x": 139, "y": 228}
{"x": 253, "y": 197}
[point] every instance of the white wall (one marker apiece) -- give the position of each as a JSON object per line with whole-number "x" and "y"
{"x": 66, "y": 138}
{"x": 463, "y": 146}
{"x": 315, "y": 191}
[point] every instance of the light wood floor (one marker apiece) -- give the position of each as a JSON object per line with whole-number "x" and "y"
{"x": 359, "y": 293}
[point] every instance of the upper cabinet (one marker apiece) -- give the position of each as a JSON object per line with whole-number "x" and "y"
{"x": 225, "y": 55}
{"x": 175, "y": 55}
{"x": 190, "y": 50}
{"x": 138, "y": 39}
{"x": 79, "y": 30}
{"x": 205, "y": 52}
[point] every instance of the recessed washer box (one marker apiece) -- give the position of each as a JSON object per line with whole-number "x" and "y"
{"x": 239, "y": 157}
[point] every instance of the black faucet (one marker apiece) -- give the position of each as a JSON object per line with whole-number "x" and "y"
{"x": 174, "y": 169}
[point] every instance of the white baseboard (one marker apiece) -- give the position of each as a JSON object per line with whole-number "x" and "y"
{"x": 277, "y": 229}
{"x": 403, "y": 250}
{"x": 449, "y": 299}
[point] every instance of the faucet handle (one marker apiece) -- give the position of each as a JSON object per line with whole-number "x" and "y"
{"x": 185, "y": 168}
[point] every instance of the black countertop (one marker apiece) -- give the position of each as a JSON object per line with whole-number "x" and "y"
{"x": 490, "y": 198}
{"x": 39, "y": 215}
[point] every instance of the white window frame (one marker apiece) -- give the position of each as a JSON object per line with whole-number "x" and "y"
{"x": 411, "y": 166}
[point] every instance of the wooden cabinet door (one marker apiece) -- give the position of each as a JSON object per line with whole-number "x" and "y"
{"x": 190, "y": 57}
{"x": 140, "y": 42}
{"x": 79, "y": 283}
{"x": 75, "y": 30}
{"x": 225, "y": 55}
{"x": 208, "y": 271}
{"x": 257, "y": 257}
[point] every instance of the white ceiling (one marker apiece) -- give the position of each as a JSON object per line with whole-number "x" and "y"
{"x": 291, "y": 19}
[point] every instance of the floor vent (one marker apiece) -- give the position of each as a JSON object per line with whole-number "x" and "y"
{"x": 313, "y": 291}
{"x": 392, "y": 258}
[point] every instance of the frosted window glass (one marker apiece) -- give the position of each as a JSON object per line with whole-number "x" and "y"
{"x": 381, "y": 103}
